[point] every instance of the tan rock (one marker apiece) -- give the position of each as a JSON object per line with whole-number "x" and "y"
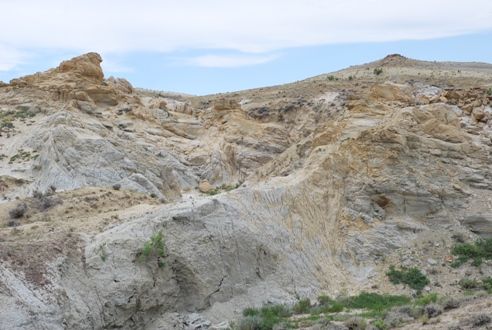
{"x": 391, "y": 92}
{"x": 87, "y": 65}
{"x": 205, "y": 187}
{"x": 222, "y": 104}
{"x": 479, "y": 114}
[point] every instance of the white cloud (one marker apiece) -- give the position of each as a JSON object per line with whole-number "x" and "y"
{"x": 229, "y": 61}
{"x": 262, "y": 26}
{"x": 115, "y": 67}
{"x": 10, "y": 57}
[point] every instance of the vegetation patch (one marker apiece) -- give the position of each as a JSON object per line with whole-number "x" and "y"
{"x": 23, "y": 156}
{"x": 224, "y": 187}
{"x": 264, "y": 318}
{"x": 369, "y": 305}
{"x": 477, "y": 252}
{"x": 426, "y": 299}
{"x": 472, "y": 284}
{"x": 374, "y": 301}
{"x": 103, "y": 254}
{"x": 412, "y": 277}
{"x": 154, "y": 247}
{"x": 378, "y": 71}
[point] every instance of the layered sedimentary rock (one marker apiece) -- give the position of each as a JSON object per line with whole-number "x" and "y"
{"x": 259, "y": 196}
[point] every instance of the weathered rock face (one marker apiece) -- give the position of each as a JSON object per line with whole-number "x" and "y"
{"x": 153, "y": 211}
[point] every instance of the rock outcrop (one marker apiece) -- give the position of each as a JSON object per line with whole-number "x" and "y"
{"x": 142, "y": 210}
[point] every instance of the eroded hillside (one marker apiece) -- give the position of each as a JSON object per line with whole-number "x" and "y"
{"x": 124, "y": 208}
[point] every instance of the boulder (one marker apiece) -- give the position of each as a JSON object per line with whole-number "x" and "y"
{"x": 481, "y": 224}
{"x": 205, "y": 187}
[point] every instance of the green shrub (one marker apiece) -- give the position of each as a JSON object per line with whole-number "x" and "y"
{"x": 477, "y": 251}
{"x": 356, "y": 323}
{"x": 331, "y": 78}
{"x": 154, "y": 247}
{"x": 249, "y": 323}
{"x": 469, "y": 284}
{"x": 264, "y": 318}
{"x": 378, "y": 71}
{"x": 374, "y": 301}
{"x": 487, "y": 284}
{"x": 324, "y": 300}
{"x": 250, "y": 311}
{"x": 224, "y": 187}
{"x": 412, "y": 277}
{"x": 336, "y": 307}
{"x": 490, "y": 91}
{"x": 302, "y": 306}
{"x": 379, "y": 324}
{"x": 426, "y": 299}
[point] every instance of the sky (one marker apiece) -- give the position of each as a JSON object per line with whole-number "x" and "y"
{"x": 210, "y": 46}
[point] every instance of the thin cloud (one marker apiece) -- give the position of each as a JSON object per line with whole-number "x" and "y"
{"x": 10, "y": 58}
{"x": 229, "y": 61}
{"x": 251, "y": 26}
{"x": 115, "y": 67}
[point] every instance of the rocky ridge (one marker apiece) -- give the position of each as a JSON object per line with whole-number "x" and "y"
{"x": 265, "y": 195}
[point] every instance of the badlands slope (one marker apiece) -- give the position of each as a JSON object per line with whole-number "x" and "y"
{"x": 260, "y": 196}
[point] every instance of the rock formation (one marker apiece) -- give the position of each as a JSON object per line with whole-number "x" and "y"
{"x": 142, "y": 210}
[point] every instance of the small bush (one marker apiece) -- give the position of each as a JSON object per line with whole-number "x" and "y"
{"x": 412, "y": 277}
{"x": 250, "y": 323}
{"x": 379, "y": 324}
{"x": 487, "y": 284}
{"x": 44, "y": 201}
{"x": 250, "y": 311}
{"x": 480, "y": 320}
{"x": 117, "y": 186}
{"x": 432, "y": 310}
{"x": 331, "y": 78}
{"x": 224, "y": 187}
{"x": 489, "y": 91}
{"x": 154, "y": 247}
{"x": 324, "y": 300}
{"x": 356, "y": 323}
{"x": 264, "y": 318}
{"x": 302, "y": 306}
{"x": 12, "y": 223}
{"x": 469, "y": 284}
{"x": 426, "y": 299}
{"x": 18, "y": 211}
{"x": 477, "y": 251}
{"x": 450, "y": 303}
{"x": 336, "y": 307}
{"x": 327, "y": 305}
{"x": 378, "y": 71}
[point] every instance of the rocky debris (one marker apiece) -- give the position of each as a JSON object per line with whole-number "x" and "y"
{"x": 120, "y": 84}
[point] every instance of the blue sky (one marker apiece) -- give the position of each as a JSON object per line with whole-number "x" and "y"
{"x": 202, "y": 47}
